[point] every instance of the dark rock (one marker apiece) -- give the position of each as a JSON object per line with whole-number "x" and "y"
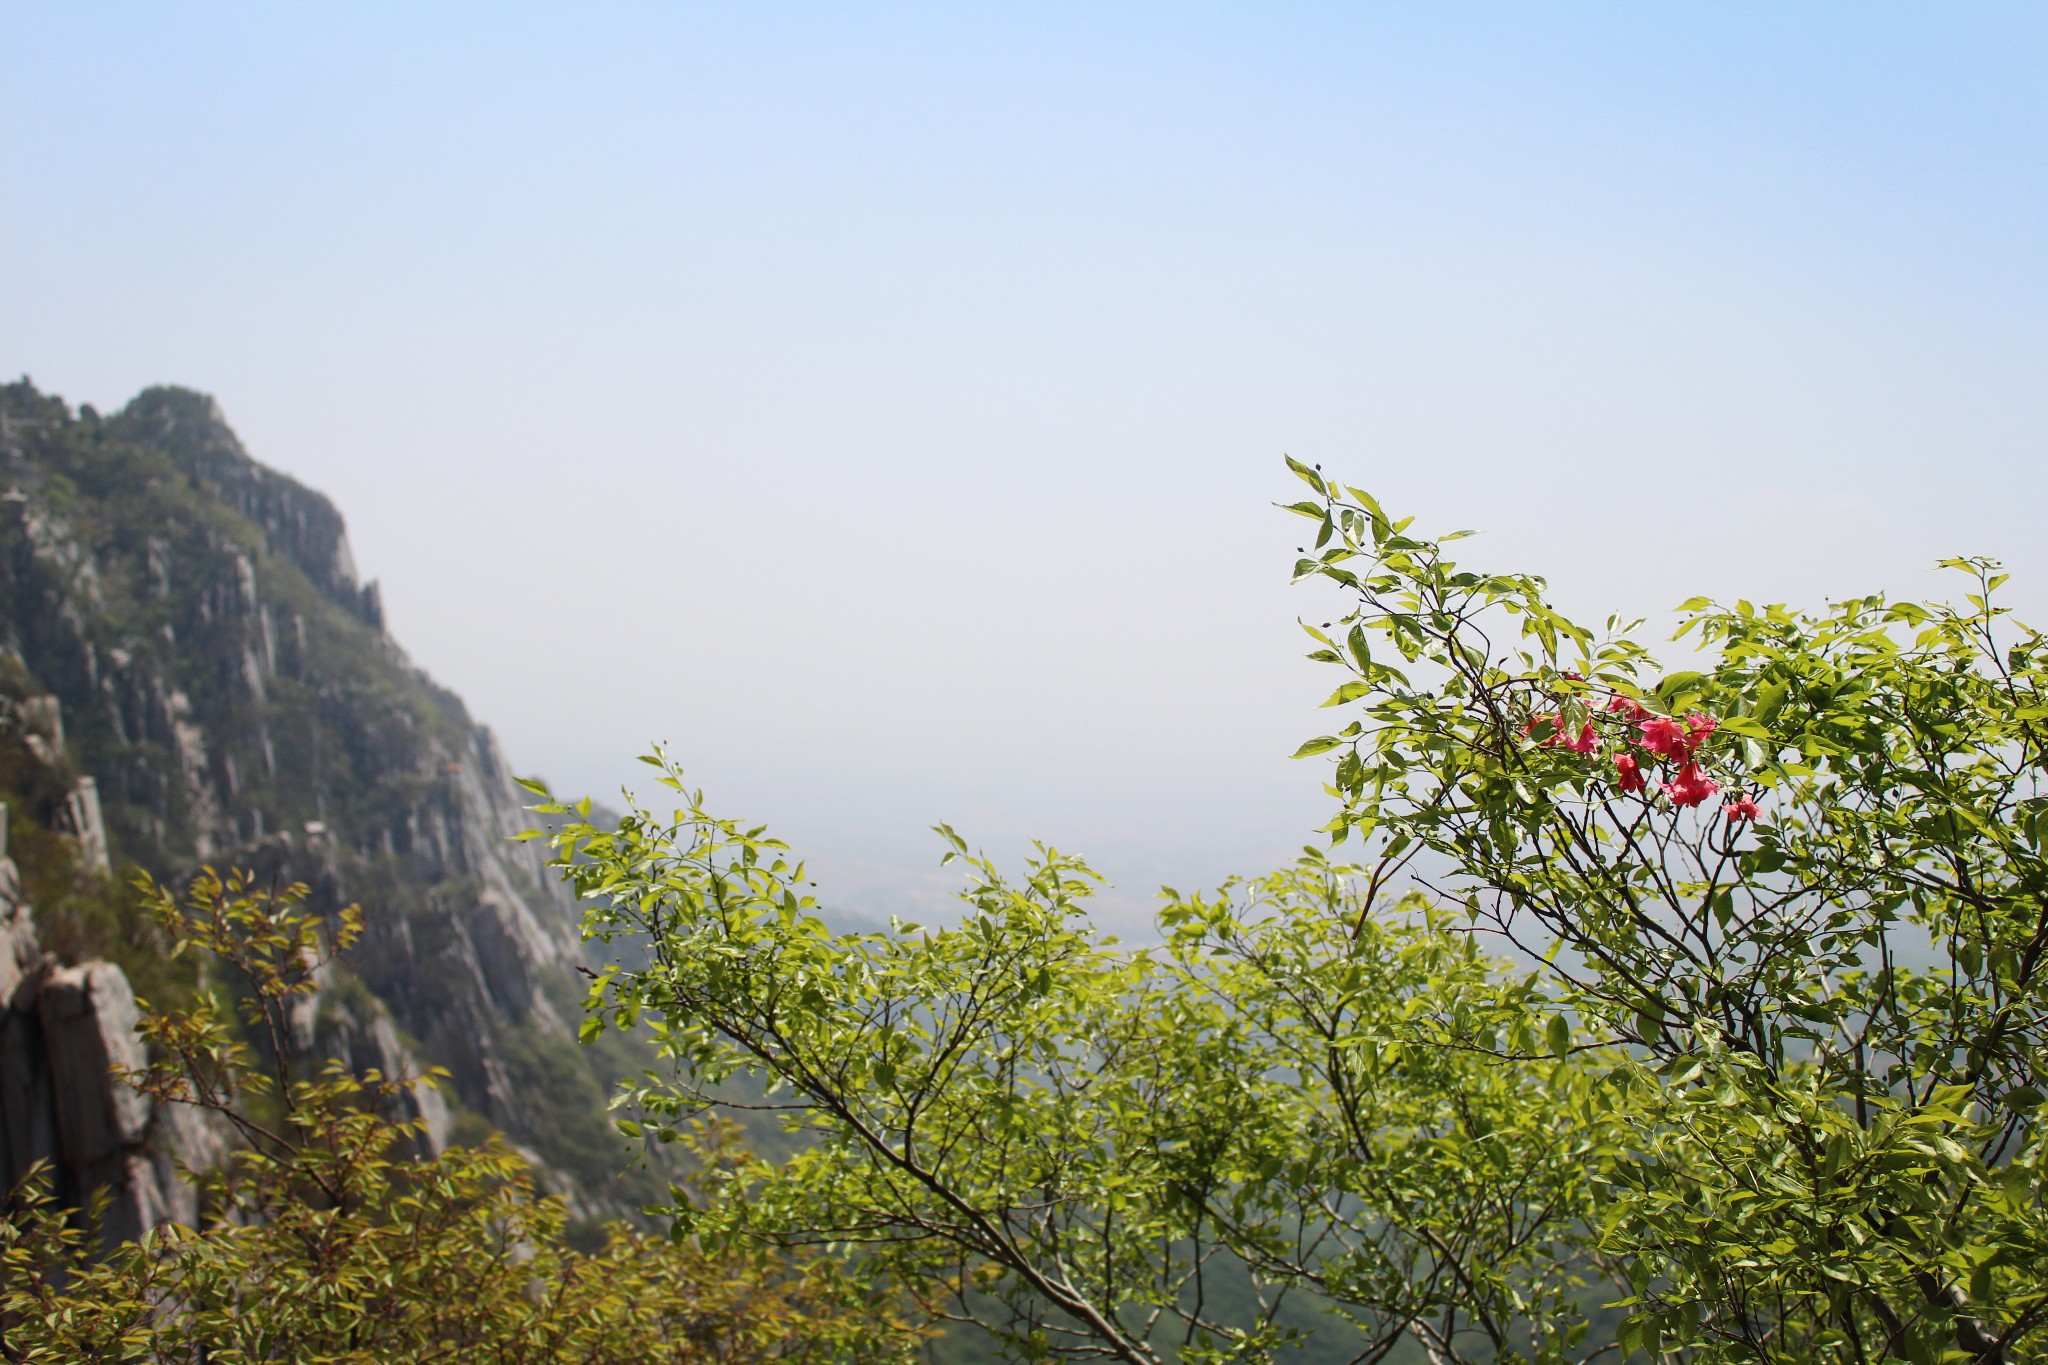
{"x": 88, "y": 1016}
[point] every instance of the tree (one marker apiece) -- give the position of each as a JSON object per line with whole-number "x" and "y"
{"x": 1766, "y": 1080}
{"x": 327, "y": 1240}
{"x": 1800, "y": 888}
{"x": 1092, "y": 1146}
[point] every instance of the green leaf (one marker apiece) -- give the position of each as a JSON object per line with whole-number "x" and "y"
{"x": 1558, "y": 1033}
{"x": 1678, "y": 684}
{"x": 1307, "y": 476}
{"x": 1361, "y": 650}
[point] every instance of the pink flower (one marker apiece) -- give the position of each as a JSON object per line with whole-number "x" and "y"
{"x": 1691, "y": 786}
{"x": 1668, "y": 737}
{"x": 1584, "y": 743}
{"x": 1628, "y": 774}
{"x": 1740, "y": 809}
{"x": 1629, "y": 706}
{"x": 1664, "y": 737}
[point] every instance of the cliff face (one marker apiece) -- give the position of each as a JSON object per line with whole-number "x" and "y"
{"x": 64, "y": 1032}
{"x": 196, "y": 676}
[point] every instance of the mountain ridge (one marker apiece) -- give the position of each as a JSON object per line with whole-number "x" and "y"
{"x": 219, "y": 689}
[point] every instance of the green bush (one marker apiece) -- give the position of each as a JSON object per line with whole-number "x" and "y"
{"x": 325, "y": 1241}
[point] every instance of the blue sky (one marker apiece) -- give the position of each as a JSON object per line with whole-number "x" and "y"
{"x": 883, "y": 404}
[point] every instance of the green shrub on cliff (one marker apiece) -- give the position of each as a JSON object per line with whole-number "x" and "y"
{"x": 326, "y": 1239}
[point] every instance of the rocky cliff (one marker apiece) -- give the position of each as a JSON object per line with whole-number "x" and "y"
{"x": 191, "y": 672}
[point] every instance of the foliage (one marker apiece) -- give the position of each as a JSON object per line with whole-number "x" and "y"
{"x": 1082, "y": 1141}
{"x": 1430, "y": 1140}
{"x": 327, "y": 1240}
{"x": 1770, "y": 1090}
{"x": 1829, "y": 984}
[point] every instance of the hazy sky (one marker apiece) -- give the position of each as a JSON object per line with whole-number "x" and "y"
{"x": 883, "y": 404}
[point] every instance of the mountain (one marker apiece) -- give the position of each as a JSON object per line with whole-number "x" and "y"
{"x": 192, "y": 674}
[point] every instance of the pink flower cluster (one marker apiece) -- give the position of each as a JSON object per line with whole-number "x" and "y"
{"x": 1666, "y": 740}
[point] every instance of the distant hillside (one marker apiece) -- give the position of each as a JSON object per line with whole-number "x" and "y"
{"x": 190, "y": 672}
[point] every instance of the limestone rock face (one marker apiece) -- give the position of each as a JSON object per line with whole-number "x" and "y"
{"x": 297, "y": 523}
{"x": 200, "y": 677}
{"x": 88, "y": 1016}
{"x": 88, "y": 1020}
{"x": 83, "y": 821}
{"x": 28, "y": 1108}
{"x": 65, "y": 1035}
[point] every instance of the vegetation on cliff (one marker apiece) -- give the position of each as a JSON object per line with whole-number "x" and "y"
{"x": 328, "y": 1238}
{"x": 193, "y": 624}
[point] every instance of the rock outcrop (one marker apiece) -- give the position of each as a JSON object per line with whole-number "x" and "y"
{"x": 69, "y": 1038}
{"x": 67, "y": 1035}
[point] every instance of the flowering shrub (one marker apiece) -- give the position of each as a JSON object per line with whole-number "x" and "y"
{"x": 1832, "y": 993}
{"x": 1662, "y": 739}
